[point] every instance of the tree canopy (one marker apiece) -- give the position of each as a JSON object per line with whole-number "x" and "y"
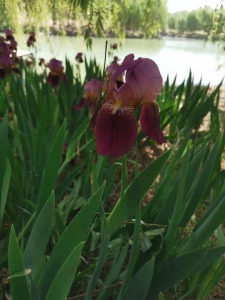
{"x": 97, "y": 17}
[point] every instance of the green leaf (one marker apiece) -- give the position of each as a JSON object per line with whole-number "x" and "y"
{"x": 39, "y": 236}
{"x": 200, "y": 185}
{"x": 73, "y": 143}
{"x": 51, "y": 170}
{"x": 173, "y": 226}
{"x": 135, "y": 193}
{"x": 175, "y": 270}
{"x": 166, "y": 209}
{"x": 211, "y": 256}
{"x": 212, "y": 281}
{"x": 161, "y": 297}
{"x": 206, "y": 229}
{"x": 100, "y": 263}
{"x": 3, "y": 147}
{"x": 63, "y": 280}
{"x": 117, "y": 264}
{"x": 5, "y": 189}
{"x": 71, "y": 237}
{"x": 140, "y": 283}
{"x": 18, "y": 284}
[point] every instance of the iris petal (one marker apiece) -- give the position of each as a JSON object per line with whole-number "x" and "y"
{"x": 115, "y": 133}
{"x": 53, "y": 80}
{"x": 81, "y": 104}
{"x": 150, "y": 122}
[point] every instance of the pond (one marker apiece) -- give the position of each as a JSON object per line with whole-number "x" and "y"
{"x": 174, "y": 56}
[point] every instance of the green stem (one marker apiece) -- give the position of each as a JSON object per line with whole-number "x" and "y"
{"x": 136, "y": 240}
{"x": 124, "y": 181}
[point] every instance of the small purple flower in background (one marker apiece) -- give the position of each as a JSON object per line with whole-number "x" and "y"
{"x": 6, "y": 66}
{"x": 114, "y": 46}
{"x": 41, "y": 61}
{"x": 116, "y": 128}
{"x": 32, "y": 39}
{"x": 91, "y": 89}
{"x": 30, "y": 60}
{"x": 7, "y": 62}
{"x": 115, "y": 60}
{"x": 13, "y": 45}
{"x": 9, "y": 35}
{"x": 91, "y": 94}
{"x": 56, "y": 72}
{"x": 79, "y": 57}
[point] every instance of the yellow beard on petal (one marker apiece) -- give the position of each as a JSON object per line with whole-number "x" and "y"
{"x": 115, "y": 107}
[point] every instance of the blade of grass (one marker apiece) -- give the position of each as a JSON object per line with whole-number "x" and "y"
{"x": 138, "y": 187}
{"x": 139, "y": 285}
{"x": 39, "y": 236}
{"x": 71, "y": 237}
{"x": 51, "y": 170}
{"x": 63, "y": 280}
{"x": 18, "y": 284}
{"x": 5, "y": 189}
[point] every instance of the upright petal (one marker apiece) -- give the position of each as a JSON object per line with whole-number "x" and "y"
{"x": 115, "y": 133}
{"x": 143, "y": 84}
{"x": 128, "y": 63}
{"x": 150, "y": 122}
{"x": 91, "y": 89}
{"x": 117, "y": 74}
{"x": 55, "y": 66}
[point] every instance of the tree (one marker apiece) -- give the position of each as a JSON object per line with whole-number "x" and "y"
{"x": 95, "y": 16}
{"x": 172, "y": 22}
{"x": 192, "y": 22}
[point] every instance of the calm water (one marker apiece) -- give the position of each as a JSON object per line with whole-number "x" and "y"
{"x": 173, "y": 55}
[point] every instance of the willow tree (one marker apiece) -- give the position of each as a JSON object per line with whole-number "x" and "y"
{"x": 98, "y": 17}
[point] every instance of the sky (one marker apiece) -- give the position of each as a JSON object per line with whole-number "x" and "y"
{"x": 180, "y": 5}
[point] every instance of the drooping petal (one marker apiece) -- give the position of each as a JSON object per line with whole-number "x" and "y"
{"x": 53, "y": 80}
{"x": 81, "y": 104}
{"x": 150, "y": 122}
{"x": 115, "y": 133}
{"x": 4, "y": 48}
{"x": 63, "y": 77}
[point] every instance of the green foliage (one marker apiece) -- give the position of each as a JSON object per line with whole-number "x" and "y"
{"x": 203, "y": 21}
{"x": 94, "y": 17}
{"x": 56, "y": 191}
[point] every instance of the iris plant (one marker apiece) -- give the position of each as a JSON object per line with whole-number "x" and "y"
{"x": 56, "y": 72}
{"x": 116, "y": 128}
{"x": 6, "y": 62}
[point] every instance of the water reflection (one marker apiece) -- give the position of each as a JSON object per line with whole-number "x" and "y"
{"x": 173, "y": 55}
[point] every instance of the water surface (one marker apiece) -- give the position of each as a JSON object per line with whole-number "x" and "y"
{"x": 174, "y": 56}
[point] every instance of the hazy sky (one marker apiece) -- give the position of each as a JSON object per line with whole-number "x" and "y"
{"x": 179, "y": 5}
